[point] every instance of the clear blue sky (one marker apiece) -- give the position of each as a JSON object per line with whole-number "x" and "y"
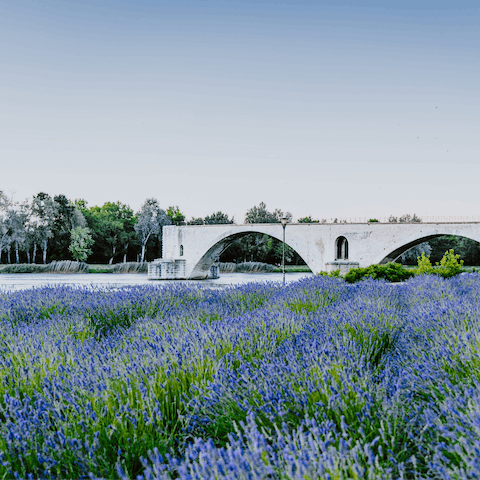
{"x": 323, "y": 108}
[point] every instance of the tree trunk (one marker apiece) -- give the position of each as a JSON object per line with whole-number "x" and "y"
{"x": 17, "y": 258}
{"x": 34, "y": 256}
{"x": 44, "y": 252}
{"x": 125, "y": 254}
{"x": 143, "y": 253}
{"x": 1, "y": 254}
{"x": 113, "y": 255}
{"x": 27, "y": 251}
{"x": 8, "y": 254}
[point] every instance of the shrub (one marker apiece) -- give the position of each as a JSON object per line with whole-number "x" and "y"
{"x": 392, "y": 272}
{"x": 334, "y": 274}
{"x": 424, "y": 266}
{"x": 448, "y": 266}
{"x": 373, "y": 220}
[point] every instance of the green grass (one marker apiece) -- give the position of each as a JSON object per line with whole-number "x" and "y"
{"x": 293, "y": 268}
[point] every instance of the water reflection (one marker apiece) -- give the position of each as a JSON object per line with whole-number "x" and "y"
{"x": 22, "y": 281}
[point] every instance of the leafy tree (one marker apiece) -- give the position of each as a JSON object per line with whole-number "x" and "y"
{"x": 150, "y": 220}
{"x": 218, "y": 218}
{"x": 308, "y": 219}
{"x": 67, "y": 218}
{"x": 196, "y": 221}
{"x": 260, "y": 214}
{"x": 81, "y": 241}
{"x": 5, "y": 228}
{"x": 42, "y": 222}
{"x": 468, "y": 249}
{"x": 175, "y": 215}
{"x": 112, "y": 227}
{"x": 18, "y": 219}
{"x": 259, "y": 247}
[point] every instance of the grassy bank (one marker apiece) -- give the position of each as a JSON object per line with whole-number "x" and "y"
{"x": 293, "y": 268}
{"x": 63, "y": 266}
{"x": 68, "y": 266}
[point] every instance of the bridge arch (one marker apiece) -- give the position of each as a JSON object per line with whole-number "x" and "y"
{"x": 222, "y": 242}
{"x": 400, "y": 248}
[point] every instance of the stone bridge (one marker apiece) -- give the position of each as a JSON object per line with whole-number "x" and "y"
{"x": 190, "y": 251}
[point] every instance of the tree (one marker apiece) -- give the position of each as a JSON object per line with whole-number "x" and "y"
{"x": 410, "y": 257}
{"x": 67, "y": 218}
{"x": 150, "y": 220}
{"x": 260, "y": 214}
{"x": 18, "y": 219}
{"x": 406, "y": 218}
{"x": 308, "y": 219}
{"x": 195, "y": 221}
{"x": 112, "y": 227}
{"x": 175, "y": 215}
{"x": 218, "y": 218}
{"x": 5, "y": 229}
{"x": 42, "y": 221}
{"x": 81, "y": 241}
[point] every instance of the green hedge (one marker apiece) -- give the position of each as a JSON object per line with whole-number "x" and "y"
{"x": 392, "y": 272}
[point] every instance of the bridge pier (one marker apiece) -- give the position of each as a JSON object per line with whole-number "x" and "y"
{"x": 343, "y": 265}
{"x": 174, "y": 269}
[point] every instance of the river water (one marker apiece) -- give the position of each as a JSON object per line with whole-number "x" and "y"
{"x": 22, "y": 281}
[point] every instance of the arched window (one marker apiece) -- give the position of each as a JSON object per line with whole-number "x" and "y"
{"x": 181, "y": 250}
{"x": 341, "y": 248}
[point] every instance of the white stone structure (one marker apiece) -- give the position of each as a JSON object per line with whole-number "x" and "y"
{"x": 190, "y": 251}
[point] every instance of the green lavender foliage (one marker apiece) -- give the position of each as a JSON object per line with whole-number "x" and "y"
{"x": 316, "y": 379}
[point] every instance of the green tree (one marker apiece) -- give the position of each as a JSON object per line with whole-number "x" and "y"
{"x": 218, "y": 218}
{"x": 260, "y": 214}
{"x": 112, "y": 227}
{"x": 67, "y": 217}
{"x": 175, "y": 215}
{"x": 81, "y": 241}
{"x": 308, "y": 219}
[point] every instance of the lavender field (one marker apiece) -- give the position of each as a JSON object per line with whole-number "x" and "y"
{"x": 315, "y": 380}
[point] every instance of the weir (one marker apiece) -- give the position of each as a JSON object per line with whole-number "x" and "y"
{"x": 191, "y": 251}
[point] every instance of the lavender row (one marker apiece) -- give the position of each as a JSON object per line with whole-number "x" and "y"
{"x": 318, "y": 379}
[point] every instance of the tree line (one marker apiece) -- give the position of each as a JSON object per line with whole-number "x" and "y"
{"x": 48, "y": 228}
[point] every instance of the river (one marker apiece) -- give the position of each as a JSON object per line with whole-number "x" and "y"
{"x": 22, "y": 281}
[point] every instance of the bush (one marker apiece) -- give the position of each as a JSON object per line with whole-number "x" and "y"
{"x": 424, "y": 266}
{"x": 334, "y": 274}
{"x": 448, "y": 266}
{"x": 392, "y": 272}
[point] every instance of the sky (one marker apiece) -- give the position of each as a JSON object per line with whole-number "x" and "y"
{"x": 329, "y": 109}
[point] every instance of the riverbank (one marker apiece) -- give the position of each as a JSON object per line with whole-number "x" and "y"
{"x": 68, "y": 266}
